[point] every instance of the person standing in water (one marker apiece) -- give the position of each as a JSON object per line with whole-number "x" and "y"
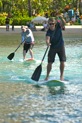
{"x": 54, "y": 39}
{"x": 7, "y": 23}
{"x": 28, "y": 39}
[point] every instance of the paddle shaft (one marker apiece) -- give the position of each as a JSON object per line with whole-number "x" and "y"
{"x": 10, "y": 57}
{"x": 45, "y": 54}
{"x": 38, "y": 70}
{"x": 18, "y": 46}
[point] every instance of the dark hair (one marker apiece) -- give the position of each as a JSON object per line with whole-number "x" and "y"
{"x": 51, "y": 19}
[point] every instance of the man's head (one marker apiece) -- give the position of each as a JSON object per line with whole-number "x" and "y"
{"x": 52, "y": 23}
{"x": 23, "y": 28}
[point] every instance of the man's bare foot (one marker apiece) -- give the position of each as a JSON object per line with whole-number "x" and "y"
{"x": 46, "y": 79}
{"x": 61, "y": 78}
{"x": 32, "y": 58}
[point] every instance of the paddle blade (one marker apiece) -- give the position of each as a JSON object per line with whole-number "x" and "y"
{"x": 10, "y": 57}
{"x": 37, "y": 73}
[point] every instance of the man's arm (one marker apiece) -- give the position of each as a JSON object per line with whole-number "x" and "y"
{"x": 48, "y": 40}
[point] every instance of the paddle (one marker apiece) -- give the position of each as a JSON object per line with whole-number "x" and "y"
{"x": 38, "y": 70}
{"x": 10, "y": 57}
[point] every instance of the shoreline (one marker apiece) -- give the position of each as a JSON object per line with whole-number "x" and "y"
{"x": 69, "y": 32}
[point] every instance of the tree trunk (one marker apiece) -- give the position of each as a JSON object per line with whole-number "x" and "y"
{"x": 81, "y": 7}
{"x": 29, "y": 8}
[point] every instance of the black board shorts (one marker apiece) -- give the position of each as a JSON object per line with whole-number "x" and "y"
{"x": 59, "y": 51}
{"x": 26, "y": 47}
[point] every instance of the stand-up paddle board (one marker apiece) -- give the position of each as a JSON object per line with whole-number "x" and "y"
{"x": 29, "y": 59}
{"x": 48, "y": 83}
{"x": 52, "y": 83}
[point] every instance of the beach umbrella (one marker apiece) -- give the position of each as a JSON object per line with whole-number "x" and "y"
{"x": 39, "y": 19}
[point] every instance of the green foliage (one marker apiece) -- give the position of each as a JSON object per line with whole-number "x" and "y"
{"x": 16, "y": 20}
{"x": 21, "y": 20}
{"x": 2, "y": 21}
{"x": 0, "y": 3}
{"x": 19, "y": 10}
{"x": 4, "y": 14}
{"x": 77, "y": 23}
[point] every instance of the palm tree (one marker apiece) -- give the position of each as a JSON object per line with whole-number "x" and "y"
{"x": 29, "y": 8}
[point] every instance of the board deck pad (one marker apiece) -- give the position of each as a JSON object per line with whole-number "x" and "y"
{"x": 52, "y": 83}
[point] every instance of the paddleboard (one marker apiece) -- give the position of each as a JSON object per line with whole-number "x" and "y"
{"x": 52, "y": 83}
{"x": 29, "y": 59}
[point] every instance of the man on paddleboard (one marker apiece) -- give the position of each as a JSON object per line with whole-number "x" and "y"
{"x": 54, "y": 39}
{"x": 28, "y": 39}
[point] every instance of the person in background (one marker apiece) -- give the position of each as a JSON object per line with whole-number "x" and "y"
{"x": 28, "y": 24}
{"x": 45, "y": 26}
{"x": 81, "y": 20}
{"x": 73, "y": 19}
{"x": 7, "y": 24}
{"x": 54, "y": 39}
{"x": 65, "y": 15}
{"x": 28, "y": 39}
{"x": 32, "y": 26}
{"x": 13, "y": 25}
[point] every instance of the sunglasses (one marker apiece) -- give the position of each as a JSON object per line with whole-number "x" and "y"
{"x": 51, "y": 23}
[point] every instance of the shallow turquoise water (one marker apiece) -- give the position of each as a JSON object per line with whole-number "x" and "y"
{"x": 21, "y": 102}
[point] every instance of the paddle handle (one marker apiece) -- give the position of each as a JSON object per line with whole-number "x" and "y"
{"x": 45, "y": 53}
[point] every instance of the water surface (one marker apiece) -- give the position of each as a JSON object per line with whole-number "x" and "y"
{"x": 22, "y": 102}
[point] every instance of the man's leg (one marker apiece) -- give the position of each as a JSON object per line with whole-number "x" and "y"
{"x": 31, "y": 53}
{"x": 24, "y": 54}
{"x": 62, "y": 65}
{"x": 49, "y": 67}
{"x": 26, "y": 47}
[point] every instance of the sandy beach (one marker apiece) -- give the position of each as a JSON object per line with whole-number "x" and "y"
{"x": 70, "y": 31}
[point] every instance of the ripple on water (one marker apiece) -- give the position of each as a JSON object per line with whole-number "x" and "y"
{"x": 21, "y": 102}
